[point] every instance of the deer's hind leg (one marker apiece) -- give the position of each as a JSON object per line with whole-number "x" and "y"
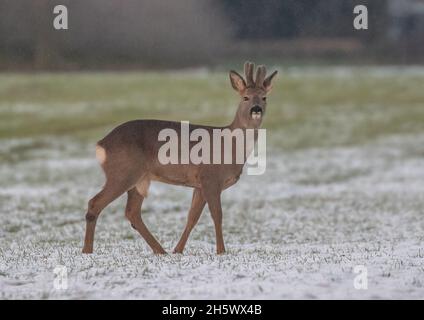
{"x": 112, "y": 190}
{"x": 133, "y": 213}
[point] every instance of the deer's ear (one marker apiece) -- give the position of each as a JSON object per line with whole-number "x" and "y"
{"x": 268, "y": 81}
{"x": 237, "y": 81}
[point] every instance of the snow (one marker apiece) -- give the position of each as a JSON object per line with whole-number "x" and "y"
{"x": 295, "y": 232}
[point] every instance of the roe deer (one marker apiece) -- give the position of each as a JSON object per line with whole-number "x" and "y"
{"x": 129, "y": 158}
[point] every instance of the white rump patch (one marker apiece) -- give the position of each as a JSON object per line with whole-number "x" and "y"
{"x": 100, "y": 154}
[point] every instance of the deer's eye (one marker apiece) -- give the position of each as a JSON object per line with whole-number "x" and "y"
{"x": 246, "y": 98}
{"x": 263, "y": 98}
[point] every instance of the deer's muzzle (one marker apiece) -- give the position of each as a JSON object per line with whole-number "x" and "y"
{"x": 256, "y": 112}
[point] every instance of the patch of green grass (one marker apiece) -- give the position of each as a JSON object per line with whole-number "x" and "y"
{"x": 13, "y": 229}
{"x": 307, "y": 108}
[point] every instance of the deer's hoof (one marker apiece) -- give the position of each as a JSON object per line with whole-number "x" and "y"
{"x": 178, "y": 250}
{"x": 159, "y": 252}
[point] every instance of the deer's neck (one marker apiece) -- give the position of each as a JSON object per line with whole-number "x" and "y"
{"x": 237, "y": 123}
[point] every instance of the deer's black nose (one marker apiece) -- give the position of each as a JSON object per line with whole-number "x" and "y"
{"x": 256, "y": 109}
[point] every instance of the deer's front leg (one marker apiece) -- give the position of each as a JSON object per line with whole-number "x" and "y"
{"x": 197, "y": 205}
{"x": 212, "y": 195}
{"x": 133, "y": 214}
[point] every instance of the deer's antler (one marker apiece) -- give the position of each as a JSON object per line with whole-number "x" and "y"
{"x": 260, "y": 76}
{"x": 248, "y": 72}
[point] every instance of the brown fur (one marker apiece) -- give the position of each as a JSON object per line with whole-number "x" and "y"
{"x": 129, "y": 158}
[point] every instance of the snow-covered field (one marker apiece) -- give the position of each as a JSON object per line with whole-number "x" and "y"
{"x": 297, "y": 231}
{"x": 344, "y": 187}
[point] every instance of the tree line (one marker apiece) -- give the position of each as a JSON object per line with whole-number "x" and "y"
{"x": 168, "y": 33}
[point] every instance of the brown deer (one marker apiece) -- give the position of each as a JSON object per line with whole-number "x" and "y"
{"x": 128, "y": 156}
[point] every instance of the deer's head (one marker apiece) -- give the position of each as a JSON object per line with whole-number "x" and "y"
{"x": 253, "y": 94}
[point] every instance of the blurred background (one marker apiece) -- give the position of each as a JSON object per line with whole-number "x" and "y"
{"x": 111, "y": 34}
